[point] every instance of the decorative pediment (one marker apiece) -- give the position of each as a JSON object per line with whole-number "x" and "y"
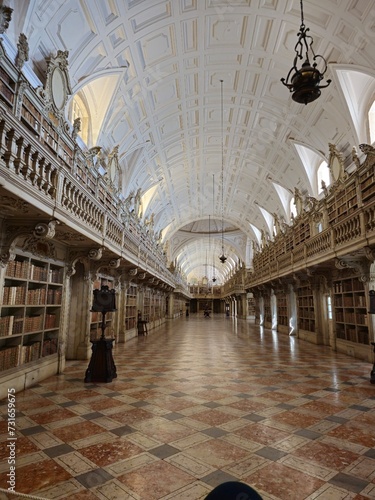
{"x": 57, "y": 88}
{"x": 336, "y": 164}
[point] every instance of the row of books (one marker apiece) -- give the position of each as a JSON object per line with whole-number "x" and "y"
{"x": 26, "y": 270}
{"x": 15, "y": 295}
{"x": 10, "y": 325}
{"x": 30, "y": 352}
{"x": 17, "y": 269}
{"x": 50, "y": 321}
{"x": 350, "y": 301}
{"x": 49, "y": 347}
{"x": 353, "y": 285}
{"x": 9, "y": 357}
{"x": 350, "y": 317}
{"x": 33, "y": 323}
{"x": 12, "y": 356}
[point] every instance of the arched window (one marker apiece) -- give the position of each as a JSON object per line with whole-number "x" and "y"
{"x": 323, "y": 174}
{"x": 292, "y": 207}
{"x": 79, "y": 110}
{"x": 371, "y": 122}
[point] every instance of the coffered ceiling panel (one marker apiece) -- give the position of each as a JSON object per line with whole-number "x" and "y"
{"x": 164, "y": 113}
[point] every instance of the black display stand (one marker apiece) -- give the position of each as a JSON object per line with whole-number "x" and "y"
{"x": 142, "y": 327}
{"x": 372, "y": 378}
{"x": 102, "y": 367}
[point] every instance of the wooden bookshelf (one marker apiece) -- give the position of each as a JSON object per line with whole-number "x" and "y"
{"x": 30, "y": 311}
{"x": 30, "y": 116}
{"x": 343, "y": 202}
{"x": 301, "y": 233}
{"x": 131, "y": 308}
{"x": 251, "y": 305}
{"x": 305, "y": 308}
{"x": 282, "y": 312}
{"x": 267, "y": 311}
{"x": 147, "y": 306}
{"x": 7, "y": 87}
{"x": 350, "y": 310}
{"x": 367, "y": 185}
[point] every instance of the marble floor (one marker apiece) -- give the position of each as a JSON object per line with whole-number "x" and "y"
{"x": 198, "y": 402}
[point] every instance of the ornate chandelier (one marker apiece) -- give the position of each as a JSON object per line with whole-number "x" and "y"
{"x": 222, "y": 257}
{"x": 304, "y": 82}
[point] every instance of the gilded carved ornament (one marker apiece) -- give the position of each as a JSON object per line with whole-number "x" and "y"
{"x": 369, "y": 151}
{"x": 5, "y": 18}
{"x": 95, "y": 253}
{"x": 45, "y": 230}
{"x": 336, "y": 164}
{"x": 57, "y": 88}
{"x": 39, "y": 246}
{"x": 23, "y": 51}
{"x": 358, "y": 266}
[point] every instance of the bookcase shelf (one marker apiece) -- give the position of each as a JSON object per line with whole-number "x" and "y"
{"x": 131, "y": 308}
{"x": 343, "y": 203}
{"x": 267, "y": 311}
{"x": 367, "y": 185}
{"x": 305, "y": 308}
{"x": 282, "y": 311}
{"x": 251, "y": 306}
{"x": 30, "y": 310}
{"x": 7, "y": 88}
{"x": 351, "y": 311}
{"x": 147, "y": 306}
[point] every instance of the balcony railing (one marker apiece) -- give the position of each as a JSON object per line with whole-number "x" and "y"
{"x": 46, "y": 180}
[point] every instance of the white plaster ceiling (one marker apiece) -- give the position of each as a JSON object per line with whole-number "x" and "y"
{"x": 150, "y": 72}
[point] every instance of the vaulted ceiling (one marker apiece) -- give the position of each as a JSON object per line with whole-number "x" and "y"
{"x": 149, "y": 71}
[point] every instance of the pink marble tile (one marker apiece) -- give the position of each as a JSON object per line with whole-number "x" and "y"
{"x": 163, "y": 430}
{"x": 23, "y": 447}
{"x": 32, "y": 403}
{"x": 281, "y": 397}
{"x": 353, "y": 433}
{"x": 107, "y": 453}
{"x": 211, "y": 395}
{"x": 217, "y": 453}
{"x": 248, "y": 405}
{"x": 77, "y": 431}
{"x": 82, "y": 395}
{"x": 322, "y": 408}
{"x": 213, "y": 417}
{"x": 261, "y": 433}
{"x": 104, "y": 404}
{"x": 130, "y": 416}
{"x": 296, "y": 419}
{"x": 37, "y": 476}
{"x": 283, "y": 482}
{"x": 156, "y": 481}
{"x": 326, "y": 455}
{"x": 52, "y": 416}
{"x": 171, "y": 403}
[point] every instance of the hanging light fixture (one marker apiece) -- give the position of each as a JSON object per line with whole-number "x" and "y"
{"x": 222, "y": 257}
{"x": 213, "y": 200}
{"x": 304, "y": 82}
